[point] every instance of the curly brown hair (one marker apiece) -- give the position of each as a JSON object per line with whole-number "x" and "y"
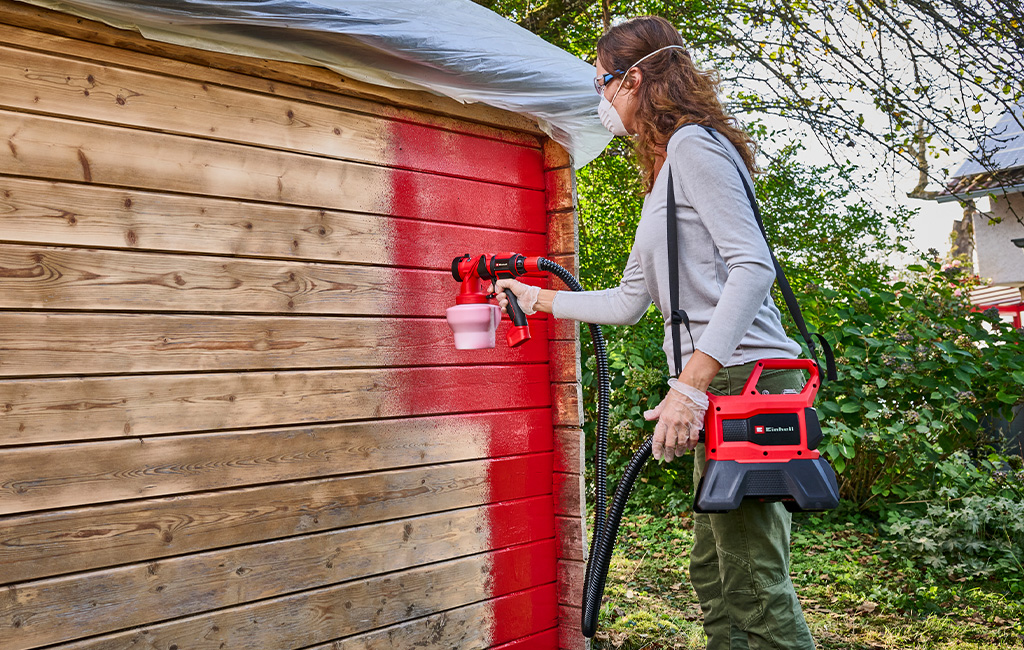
{"x": 674, "y": 91}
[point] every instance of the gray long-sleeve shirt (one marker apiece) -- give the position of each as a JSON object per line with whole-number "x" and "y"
{"x": 725, "y": 269}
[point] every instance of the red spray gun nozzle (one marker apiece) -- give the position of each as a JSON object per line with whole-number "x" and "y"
{"x": 472, "y": 270}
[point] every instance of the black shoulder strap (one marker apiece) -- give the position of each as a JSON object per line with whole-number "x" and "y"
{"x": 679, "y": 316}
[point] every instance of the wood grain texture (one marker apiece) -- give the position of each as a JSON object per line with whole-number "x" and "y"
{"x": 561, "y": 189}
{"x": 50, "y": 611}
{"x": 564, "y": 359}
{"x": 54, "y": 213}
{"x": 39, "y": 343}
{"x": 318, "y": 616}
{"x": 125, "y": 45}
{"x": 568, "y": 494}
{"x": 569, "y": 444}
{"x": 63, "y": 476}
{"x": 49, "y": 543}
{"x": 555, "y": 155}
{"x": 567, "y": 408}
{"x": 64, "y": 150}
{"x": 569, "y": 533}
{"x": 571, "y": 575}
{"x": 562, "y": 233}
{"x": 63, "y": 278}
{"x": 569, "y": 635}
{"x": 36, "y": 82}
{"x": 51, "y": 410}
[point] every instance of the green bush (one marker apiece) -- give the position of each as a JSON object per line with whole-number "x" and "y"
{"x": 918, "y": 372}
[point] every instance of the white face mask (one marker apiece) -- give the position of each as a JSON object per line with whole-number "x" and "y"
{"x": 609, "y": 115}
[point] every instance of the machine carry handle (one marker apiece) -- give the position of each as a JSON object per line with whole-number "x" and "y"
{"x": 810, "y": 388}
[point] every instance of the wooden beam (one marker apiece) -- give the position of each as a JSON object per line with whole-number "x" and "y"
{"x": 53, "y": 542}
{"x": 320, "y": 615}
{"x": 54, "y": 213}
{"x": 50, "y": 611}
{"x": 66, "y": 150}
{"x": 40, "y": 343}
{"x": 56, "y": 85}
{"x": 124, "y": 46}
{"x": 64, "y": 410}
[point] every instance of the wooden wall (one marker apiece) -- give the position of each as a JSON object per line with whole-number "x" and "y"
{"x": 232, "y": 416}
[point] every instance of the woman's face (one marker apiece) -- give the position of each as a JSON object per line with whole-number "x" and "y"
{"x": 624, "y": 98}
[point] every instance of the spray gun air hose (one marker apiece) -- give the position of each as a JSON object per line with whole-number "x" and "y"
{"x": 606, "y": 523}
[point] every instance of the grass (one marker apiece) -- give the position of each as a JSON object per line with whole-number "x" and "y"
{"x": 857, "y": 592}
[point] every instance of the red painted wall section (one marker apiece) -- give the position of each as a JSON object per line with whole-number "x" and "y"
{"x": 482, "y": 196}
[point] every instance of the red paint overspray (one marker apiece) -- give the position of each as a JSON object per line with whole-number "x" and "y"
{"x": 486, "y": 217}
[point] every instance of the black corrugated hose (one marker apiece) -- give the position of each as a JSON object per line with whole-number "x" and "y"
{"x": 606, "y": 524}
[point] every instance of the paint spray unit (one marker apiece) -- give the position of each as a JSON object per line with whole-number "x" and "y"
{"x": 761, "y": 446}
{"x": 473, "y": 319}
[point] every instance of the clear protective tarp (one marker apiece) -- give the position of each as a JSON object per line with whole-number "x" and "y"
{"x": 451, "y": 47}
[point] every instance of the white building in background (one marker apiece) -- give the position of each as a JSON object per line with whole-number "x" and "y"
{"x": 998, "y": 233}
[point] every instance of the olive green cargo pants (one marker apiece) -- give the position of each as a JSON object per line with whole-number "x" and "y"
{"x": 739, "y": 565}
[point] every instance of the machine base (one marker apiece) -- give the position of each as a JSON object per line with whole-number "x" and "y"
{"x": 801, "y": 484}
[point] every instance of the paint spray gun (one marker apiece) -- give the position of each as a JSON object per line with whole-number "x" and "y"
{"x": 474, "y": 319}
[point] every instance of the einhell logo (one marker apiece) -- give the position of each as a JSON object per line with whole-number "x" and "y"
{"x": 760, "y": 428}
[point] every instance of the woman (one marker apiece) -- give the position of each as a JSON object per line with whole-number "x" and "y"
{"x": 649, "y": 87}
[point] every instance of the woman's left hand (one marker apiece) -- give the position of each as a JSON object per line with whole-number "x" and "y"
{"x": 680, "y": 418}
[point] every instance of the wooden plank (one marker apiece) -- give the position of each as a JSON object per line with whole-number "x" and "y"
{"x": 571, "y": 575}
{"x": 568, "y": 494}
{"x": 63, "y": 476}
{"x": 39, "y": 343}
{"x": 561, "y": 189}
{"x": 569, "y": 444}
{"x": 42, "y": 83}
{"x": 65, "y": 150}
{"x": 569, "y": 533}
{"x": 465, "y": 628}
{"x": 563, "y": 234}
{"x": 564, "y": 360}
{"x": 55, "y": 410}
{"x": 52, "y": 213}
{"x": 51, "y": 611}
{"x": 33, "y": 277}
{"x": 567, "y": 408}
{"x": 521, "y": 620}
{"x": 555, "y": 155}
{"x": 49, "y": 543}
{"x": 318, "y": 616}
{"x": 208, "y": 65}
{"x": 569, "y": 635}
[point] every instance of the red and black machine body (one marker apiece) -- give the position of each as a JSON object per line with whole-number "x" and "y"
{"x": 472, "y": 272}
{"x": 764, "y": 446}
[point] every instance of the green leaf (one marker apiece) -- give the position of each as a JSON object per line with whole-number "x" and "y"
{"x": 849, "y": 407}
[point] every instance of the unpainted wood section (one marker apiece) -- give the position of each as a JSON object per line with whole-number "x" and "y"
{"x": 571, "y": 577}
{"x": 124, "y": 45}
{"x": 64, "y": 410}
{"x": 40, "y": 343}
{"x": 50, "y": 611}
{"x": 562, "y": 234}
{"x": 50, "y": 543}
{"x": 64, "y": 150}
{"x": 63, "y": 476}
{"x": 561, "y": 189}
{"x": 555, "y": 155}
{"x": 318, "y": 616}
{"x": 33, "y": 277}
{"x": 564, "y": 357}
{"x": 41, "y": 83}
{"x": 569, "y": 635}
{"x": 54, "y": 213}
{"x": 567, "y": 408}
{"x": 460, "y": 628}
{"x": 569, "y": 454}
{"x": 568, "y": 494}
{"x": 569, "y": 533}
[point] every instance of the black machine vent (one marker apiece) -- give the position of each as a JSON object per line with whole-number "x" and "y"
{"x": 767, "y": 483}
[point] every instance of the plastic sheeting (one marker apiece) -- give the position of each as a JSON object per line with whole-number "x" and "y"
{"x": 451, "y": 47}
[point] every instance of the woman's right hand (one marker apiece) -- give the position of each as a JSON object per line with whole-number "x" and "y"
{"x": 526, "y": 294}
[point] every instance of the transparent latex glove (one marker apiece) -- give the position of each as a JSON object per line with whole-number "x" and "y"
{"x": 526, "y": 295}
{"x": 680, "y": 418}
